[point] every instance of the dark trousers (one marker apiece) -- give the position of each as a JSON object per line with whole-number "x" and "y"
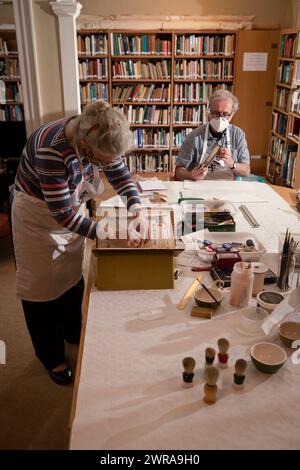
{"x": 49, "y": 323}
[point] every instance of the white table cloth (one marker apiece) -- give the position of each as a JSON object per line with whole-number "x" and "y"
{"x": 130, "y": 394}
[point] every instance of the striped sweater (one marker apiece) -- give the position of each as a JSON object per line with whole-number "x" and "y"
{"x": 50, "y": 170}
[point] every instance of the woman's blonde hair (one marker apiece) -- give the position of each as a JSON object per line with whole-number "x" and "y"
{"x": 104, "y": 128}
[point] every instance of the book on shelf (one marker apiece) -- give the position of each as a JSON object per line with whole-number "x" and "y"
{"x": 144, "y": 44}
{"x": 204, "y": 69}
{"x": 92, "y": 44}
{"x": 287, "y": 45}
{"x": 289, "y": 158}
{"x": 194, "y": 44}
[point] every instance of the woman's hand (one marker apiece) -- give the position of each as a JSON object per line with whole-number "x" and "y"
{"x": 138, "y": 230}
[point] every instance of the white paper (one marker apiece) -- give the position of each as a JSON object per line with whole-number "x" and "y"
{"x": 151, "y": 185}
{"x": 284, "y": 308}
{"x": 231, "y": 195}
{"x": 255, "y": 61}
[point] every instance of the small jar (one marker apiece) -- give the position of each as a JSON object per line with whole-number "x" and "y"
{"x": 241, "y": 284}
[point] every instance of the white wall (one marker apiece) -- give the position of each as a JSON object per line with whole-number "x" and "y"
{"x": 267, "y": 12}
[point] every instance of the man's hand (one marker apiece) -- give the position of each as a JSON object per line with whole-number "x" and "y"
{"x": 199, "y": 173}
{"x": 225, "y": 155}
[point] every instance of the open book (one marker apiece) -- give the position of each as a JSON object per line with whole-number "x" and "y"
{"x": 209, "y": 158}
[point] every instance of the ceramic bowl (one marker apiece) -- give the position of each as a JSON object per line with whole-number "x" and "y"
{"x": 268, "y": 357}
{"x": 289, "y": 331}
{"x": 203, "y": 299}
{"x": 268, "y": 300}
{"x": 251, "y": 319}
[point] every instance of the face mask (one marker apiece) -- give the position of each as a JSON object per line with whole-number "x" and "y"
{"x": 219, "y": 124}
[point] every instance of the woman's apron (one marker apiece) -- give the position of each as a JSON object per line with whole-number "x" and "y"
{"x": 218, "y": 172}
{"x": 48, "y": 256}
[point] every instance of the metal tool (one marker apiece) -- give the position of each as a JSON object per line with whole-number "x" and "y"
{"x": 249, "y": 217}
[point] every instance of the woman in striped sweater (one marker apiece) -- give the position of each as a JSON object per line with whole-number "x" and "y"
{"x": 58, "y": 172}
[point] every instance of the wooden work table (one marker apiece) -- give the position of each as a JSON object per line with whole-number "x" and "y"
{"x": 288, "y": 195}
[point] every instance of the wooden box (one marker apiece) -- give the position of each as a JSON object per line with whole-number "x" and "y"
{"x": 120, "y": 267}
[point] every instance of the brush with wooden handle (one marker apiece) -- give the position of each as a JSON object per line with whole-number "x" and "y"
{"x": 210, "y": 388}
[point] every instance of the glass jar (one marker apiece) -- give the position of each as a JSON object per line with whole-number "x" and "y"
{"x": 241, "y": 284}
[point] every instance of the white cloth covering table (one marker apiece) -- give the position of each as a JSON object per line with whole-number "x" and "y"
{"x": 130, "y": 394}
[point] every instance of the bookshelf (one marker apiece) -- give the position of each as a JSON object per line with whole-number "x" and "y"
{"x": 161, "y": 80}
{"x": 11, "y": 101}
{"x": 12, "y": 124}
{"x": 284, "y": 149}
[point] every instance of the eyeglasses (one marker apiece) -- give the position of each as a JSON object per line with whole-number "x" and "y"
{"x": 216, "y": 114}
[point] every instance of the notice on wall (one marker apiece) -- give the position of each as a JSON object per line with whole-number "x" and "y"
{"x": 255, "y": 61}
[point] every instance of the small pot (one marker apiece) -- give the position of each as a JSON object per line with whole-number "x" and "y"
{"x": 268, "y": 300}
{"x": 267, "y": 357}
{"x": 289, "y": 331}
{"x": 203, "y": 299}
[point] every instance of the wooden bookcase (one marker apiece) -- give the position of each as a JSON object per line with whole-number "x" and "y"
{"x": 160, "y": 80}
{"x": 284, "y": 151}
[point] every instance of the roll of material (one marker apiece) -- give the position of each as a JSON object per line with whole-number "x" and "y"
{"x": 259, "y": 270}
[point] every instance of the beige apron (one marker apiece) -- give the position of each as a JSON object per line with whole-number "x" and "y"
{"x": 48, "y": 256}
{"x": 219, "y": 172}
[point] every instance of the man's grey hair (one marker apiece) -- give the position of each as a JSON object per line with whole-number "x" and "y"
{"x": 220, "y": 95}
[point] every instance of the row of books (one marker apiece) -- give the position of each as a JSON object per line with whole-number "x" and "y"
{"x": 279, "y": 122}
{"x": 11, "y": 113}
{"x": 151, "y": 138}
{"x": 9, "y": 68}
{"x": 179, "y": 136}
{"x": 150, "y": 163}
{"x": 204, "y": 44}
{"x": 283, "y": 99}
{"x": 10, "y": 92}
{"x": 8, "y": 46}
{"x": 289, "y": 158}
{"x": 95, "y": 68}
{"x": 93, "y": 91}
{"x": 145, "y": 114}
{"x": 204, "y": 69}
{"x": 143, "y": 44}
{"x": 137, "y": 69}
{"x": 189, "y": 115}
{"x": 196, "y": 92}
{"x": 285, "y": 73}
{"x": 287, "y": 45}
{"x": 141, "y": 92}
{"x": 92, "y": 44}
{"x": 276, "y": 148}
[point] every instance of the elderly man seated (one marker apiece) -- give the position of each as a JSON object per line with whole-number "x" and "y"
{"x": 233, "y": 157}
